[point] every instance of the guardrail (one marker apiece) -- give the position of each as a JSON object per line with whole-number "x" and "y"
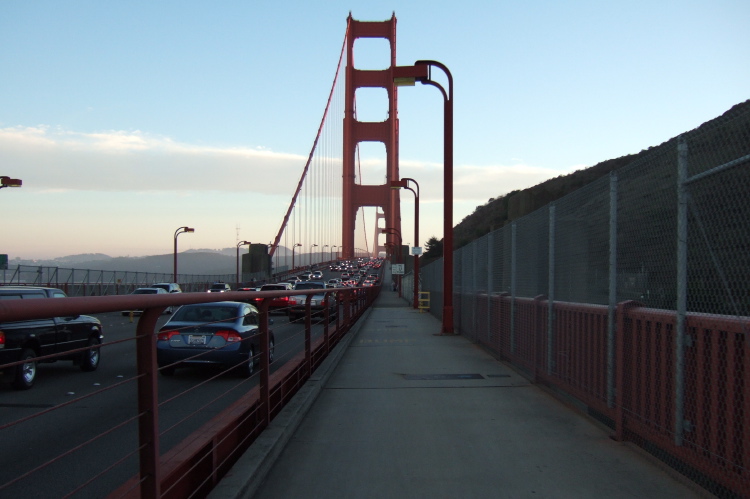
{"x": 688, "y": 405}
{"x": 197, "y": 463}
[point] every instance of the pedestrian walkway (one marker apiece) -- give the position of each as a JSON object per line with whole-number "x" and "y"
{"x": 400, "y": 411}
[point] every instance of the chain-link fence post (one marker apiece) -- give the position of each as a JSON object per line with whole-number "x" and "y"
{"x": 612, "y": 300}
{"x": 513, "y": 267}
{"x": 681, "y": 285}
{"x": 551, "y": 289}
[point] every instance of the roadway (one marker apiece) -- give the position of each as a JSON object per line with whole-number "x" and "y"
{"x": 33, "y": 442}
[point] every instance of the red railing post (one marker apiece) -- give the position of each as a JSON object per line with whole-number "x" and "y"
{"x": 308, "y": 336}
{"x": 148, "y": 404}
{"x": 624, "y": 324}
{"x": 326, "y": 321}
{"x": 339, "y": 301}
{"x": 265, "y": 366}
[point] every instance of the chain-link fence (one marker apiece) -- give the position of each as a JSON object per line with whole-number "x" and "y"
{"x": 83, "y": 282}
{"x": 633, "y": 294}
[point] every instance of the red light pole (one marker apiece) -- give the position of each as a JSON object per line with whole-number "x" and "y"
{"x": 10, "y": 182}
{"x": 311, "y": 258}
{"x": 293, "y": 247}
{"x": 391, "y": 230}
{"x": 397, "y": 184}
{"x": 238, "y": 260}
{"x": 177, "y": 233}
{"x": 407, "y": 75}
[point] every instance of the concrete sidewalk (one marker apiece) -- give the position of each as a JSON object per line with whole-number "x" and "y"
{"x": 399, "y": 411}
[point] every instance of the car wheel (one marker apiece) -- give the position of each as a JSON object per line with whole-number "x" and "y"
{"x": 247, "y": 369}
{"x": 25, "y": 373}
{"x": 271, "y": 345}
{"x": 91, "y": 357}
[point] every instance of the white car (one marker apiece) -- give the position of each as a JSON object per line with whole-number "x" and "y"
{"x": 145, "y": 291}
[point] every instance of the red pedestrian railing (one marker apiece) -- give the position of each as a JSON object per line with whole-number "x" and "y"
{"x": 194, "y": 465}
{"x": 695, "y": 417}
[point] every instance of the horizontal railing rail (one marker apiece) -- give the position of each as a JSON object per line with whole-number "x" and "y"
{"x": 639, "y": 369}
{"x": 195, "y": 463}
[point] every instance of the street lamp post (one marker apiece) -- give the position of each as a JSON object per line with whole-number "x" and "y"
{"x": 407, "y": 75}
{"x": 397, "y": 184}
{"x": 177, "y": 233}
{"x": 241, "y": 243}
{"x": 10, "y": 182}
{"x": 311, "y": 247}
{"x": 392, "y": 230}
{"x": 271, "y": 267}
{"x": 322, "y": 250}
{"x": 333, "y": 246}
{"x": 293, "y": 247}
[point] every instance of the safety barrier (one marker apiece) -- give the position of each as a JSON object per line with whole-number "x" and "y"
{"x": 195, "y": 462}
{"x": 691, "y": 410}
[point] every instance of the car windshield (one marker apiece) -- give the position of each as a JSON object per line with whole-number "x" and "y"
{"x": 202, "y": 313}
{"x": 273, "y": 288}
{"x": 309, "y": 285}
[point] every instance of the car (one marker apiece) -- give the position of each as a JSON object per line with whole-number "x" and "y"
{"x": 146, "y": 291}
{"x": 169, "y": 287}
{"x": 28, "y": 339}
{"x": 222, "y": 333}
{"x": 219, "y": 287}
{"x": 279, "y": 303}
{"x": 316, "y": 275}
{"x": 297, "y": 302}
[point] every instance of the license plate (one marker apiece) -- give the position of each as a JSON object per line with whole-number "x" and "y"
{"x": 196, "y": 339}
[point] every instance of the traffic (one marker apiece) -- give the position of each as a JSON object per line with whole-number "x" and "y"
{"x": 91, "y": 402}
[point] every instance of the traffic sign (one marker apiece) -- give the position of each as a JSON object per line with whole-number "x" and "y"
{"x": 397, "y": 269}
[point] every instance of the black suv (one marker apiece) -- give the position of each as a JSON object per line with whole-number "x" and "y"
{"x": 26, "y": 340}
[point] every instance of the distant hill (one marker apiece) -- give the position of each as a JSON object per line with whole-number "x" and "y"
{"x": 198, "y": 262}
{"x": 497, "y": 212}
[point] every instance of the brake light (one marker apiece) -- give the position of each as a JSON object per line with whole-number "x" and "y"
{"x": 2, "y": 339}
{"x": 167, "y": 335}
{"x": 229, "y": 336}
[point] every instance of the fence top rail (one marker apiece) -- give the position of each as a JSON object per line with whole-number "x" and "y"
{"x": 16, "y": 310}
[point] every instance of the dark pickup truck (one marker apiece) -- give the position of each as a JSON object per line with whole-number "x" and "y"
{"x": 66, "y": 338}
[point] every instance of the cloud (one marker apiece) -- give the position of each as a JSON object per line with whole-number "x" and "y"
{"x": 114, "y": 160}
{"x": 55, "y": 160}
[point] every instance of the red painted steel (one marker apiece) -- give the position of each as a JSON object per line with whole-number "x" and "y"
{"x": 717, "y": 375}
{"x": 355, "y": 196}
{"x": 293, "y": 202}
{"x": 203, "y": 458}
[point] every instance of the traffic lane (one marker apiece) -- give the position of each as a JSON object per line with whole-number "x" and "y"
{"x": 54, "y": 433}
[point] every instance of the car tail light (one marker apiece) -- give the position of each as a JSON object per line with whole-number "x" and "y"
{"x": 229, "y": 336}
{"x": 2, "y": 339}
{"x": 167, "y": 335}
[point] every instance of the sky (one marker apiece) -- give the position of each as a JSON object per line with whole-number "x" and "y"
{"x": 127, "y": 120}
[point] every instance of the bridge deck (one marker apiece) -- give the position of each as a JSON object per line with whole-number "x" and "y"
{"x": 402, "y": 412}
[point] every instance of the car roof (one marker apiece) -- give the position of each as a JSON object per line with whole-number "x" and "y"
{"x": 220, "y": 304}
